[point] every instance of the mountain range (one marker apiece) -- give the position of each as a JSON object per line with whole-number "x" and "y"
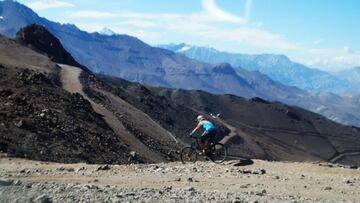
{"x": 53, "y": 110}
{"x": 129, "y": 58}
{"x": 278, "y": 67}
{"x": 352, "y": 75}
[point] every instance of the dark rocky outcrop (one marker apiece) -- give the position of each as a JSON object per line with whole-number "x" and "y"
{"x": 39, "y": 38}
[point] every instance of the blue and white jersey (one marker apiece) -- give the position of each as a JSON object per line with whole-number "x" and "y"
{"x": 207, "y": 125}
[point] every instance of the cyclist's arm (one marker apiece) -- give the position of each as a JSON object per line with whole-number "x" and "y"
{"x": 197, "y": 127}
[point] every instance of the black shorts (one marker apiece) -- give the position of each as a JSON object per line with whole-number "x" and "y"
{"x": 208, "y": 135}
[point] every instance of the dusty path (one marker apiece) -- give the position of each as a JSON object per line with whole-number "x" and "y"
{"x": 143, "y": 120}
{"x": 343, "y": 155}
{"x": 71, "y": 83}
{"x": 279, "y": 182}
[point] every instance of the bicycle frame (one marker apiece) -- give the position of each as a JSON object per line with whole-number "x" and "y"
{"x": 196, "y": 143}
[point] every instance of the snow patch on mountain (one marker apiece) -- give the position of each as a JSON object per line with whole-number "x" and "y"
{"x": 185, "y": 48}
{"x": 107, "y": 31}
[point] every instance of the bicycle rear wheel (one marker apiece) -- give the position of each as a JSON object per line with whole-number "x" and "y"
{"x": 188, "y": 155}
{"x": 218, "y": 153}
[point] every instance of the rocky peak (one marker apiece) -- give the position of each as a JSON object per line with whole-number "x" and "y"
{"x": 43, "y": 41}
{"x": 224, "y": 68}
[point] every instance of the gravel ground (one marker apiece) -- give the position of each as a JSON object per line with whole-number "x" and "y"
{"x": 26, "y": 181}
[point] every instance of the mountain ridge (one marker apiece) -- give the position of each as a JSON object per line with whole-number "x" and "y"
{"x": 277, "y": 66}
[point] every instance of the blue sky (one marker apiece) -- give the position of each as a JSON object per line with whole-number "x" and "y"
{"x": 319, "y": 33}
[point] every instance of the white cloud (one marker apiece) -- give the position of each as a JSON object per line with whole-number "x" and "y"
{"x": 211, "y": 8}
{"x": 201, "y": 24}
{"x": 46, "y": 4}
{"x": 211, "y": 13}
{"x": 335, "y": 60}
{"x": 251, "y": 36}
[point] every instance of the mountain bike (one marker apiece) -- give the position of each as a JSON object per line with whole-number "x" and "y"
{"x": 216, "y": 152}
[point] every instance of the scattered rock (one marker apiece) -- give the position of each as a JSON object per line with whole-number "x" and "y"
{"x": 190, "y": 189}
{"x": 81, "y": 169}
{"x": 62, "y": 168}
{"x": 89, "y": 187}
{"x": 353, "y": 167}
{"x": 20, "y": 123}
{"x": 328, "y": 188}
{"x": 237, "y": 200}
{"x": 259, "y": 171}
{"x": 133, "y": 154}
{"x": 348, "y": 181}
{"x": 104, "y": 168}
{"x": 43, "y": 199}
{"x": 17, "y": 182}
{"x": 28, "y": 185}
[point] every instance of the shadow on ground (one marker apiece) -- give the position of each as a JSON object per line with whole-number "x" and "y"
{"x": 244, "y": 162}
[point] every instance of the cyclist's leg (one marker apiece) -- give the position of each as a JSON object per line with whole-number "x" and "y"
{"x": 204, "y": 141}
{"x": 210, "y": 140}
{"x": 204, "y": 137}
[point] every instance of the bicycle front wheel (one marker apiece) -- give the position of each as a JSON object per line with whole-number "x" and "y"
{"x": 218, "y": 153}
{"x": 188, "y": 155}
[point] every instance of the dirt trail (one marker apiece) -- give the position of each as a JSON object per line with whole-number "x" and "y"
{"x": 279, "y": 182}
{"x": 71, "y": 83}
{"x": 343, "y": 155}
{"x": 143, "y": 120}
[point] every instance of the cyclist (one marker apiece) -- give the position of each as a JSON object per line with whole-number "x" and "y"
{"x": 208, "y": 134}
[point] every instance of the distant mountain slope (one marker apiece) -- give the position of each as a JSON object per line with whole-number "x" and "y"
{"x": 352, "y": 75}
{"x": 277, "y": 67}
{"x": 129, "y": 58}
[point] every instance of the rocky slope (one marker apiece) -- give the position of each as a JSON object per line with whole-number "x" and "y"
{"x": 24, "y": 181}
{"x": 40, "y": 120}
{"x": 272, "y": 129}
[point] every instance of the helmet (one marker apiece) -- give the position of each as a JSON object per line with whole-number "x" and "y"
{"x": 199, "y": 118}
